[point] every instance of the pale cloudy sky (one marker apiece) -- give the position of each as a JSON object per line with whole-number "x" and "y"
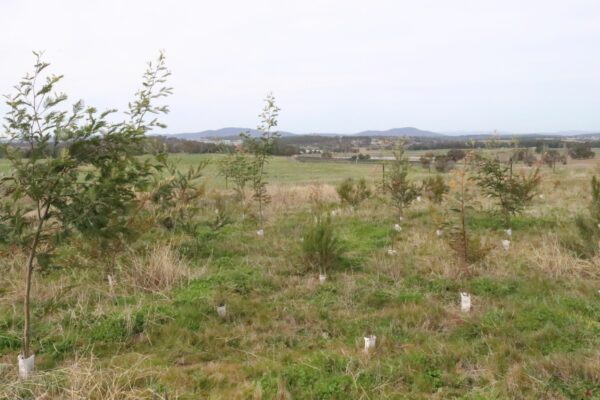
{"x": 334, "y": 65}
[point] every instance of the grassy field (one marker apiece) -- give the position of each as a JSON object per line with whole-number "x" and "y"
{"x": 533, "y": 332}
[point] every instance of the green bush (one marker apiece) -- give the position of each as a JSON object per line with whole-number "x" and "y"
{"x": 321, "y": 247}
{"x": 352, "y": 192}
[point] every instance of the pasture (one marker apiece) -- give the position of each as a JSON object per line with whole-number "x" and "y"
{"x": 533, "y": 331}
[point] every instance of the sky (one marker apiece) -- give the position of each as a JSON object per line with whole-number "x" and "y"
{"x": 333, "y": 65}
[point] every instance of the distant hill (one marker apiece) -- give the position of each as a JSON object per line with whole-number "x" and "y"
{"x": 408, "y": 131}
{"x": 233, "y": 132}
{"x": 230, "y": 132}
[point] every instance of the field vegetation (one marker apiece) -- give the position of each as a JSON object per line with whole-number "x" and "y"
{"x": 139, "y": 314}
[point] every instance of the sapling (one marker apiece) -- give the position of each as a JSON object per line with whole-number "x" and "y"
{"x": 401, "y": 189}
{"x": 73, "y": 169}
{"x": 467, "y": 246}
{"x": 512, "y": 192}
{"x": 321, "y": 246}
{"x": 352, "y": 193}
{"x": 177, "y": 193}
{"x": 434, "y": 188}
{"x": 261, "y": 149}
{"x": 237, "y": 168}
{"x": 587, "y": 242}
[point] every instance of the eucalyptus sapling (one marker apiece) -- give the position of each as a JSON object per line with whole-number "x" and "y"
{"x": 261, "y": 149}
{"x": 72, "y": 168}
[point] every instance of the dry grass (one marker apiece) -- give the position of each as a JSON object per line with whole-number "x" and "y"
{"x": 158, "y": 269}
{"x": 85, "y": 378}
{"x": 549, "y": 257}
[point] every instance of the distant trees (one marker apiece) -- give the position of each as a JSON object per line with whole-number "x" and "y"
{"x": 426, "y": 160}
{"x": 552, "y": 157}
{"x": 581, "y": 151}
{"x": 456, "y": 154}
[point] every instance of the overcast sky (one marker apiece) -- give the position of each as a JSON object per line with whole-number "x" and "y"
{"x": 333, "y": 65}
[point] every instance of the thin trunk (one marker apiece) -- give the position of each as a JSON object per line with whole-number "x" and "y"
{"x": 463, "y": 225}
{"x": 29, "y": 275}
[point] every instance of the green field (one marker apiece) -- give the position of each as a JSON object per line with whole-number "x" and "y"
{"x": 533, "y": 332}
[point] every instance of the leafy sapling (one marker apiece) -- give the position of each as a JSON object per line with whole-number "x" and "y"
{"x": 74, "y": 170}
{"x": 586, "y": 244}
{"x": 401, "y": 189}
{"x": 467, "y": 246}
{"x": 352, "y": 193}
{"x": 261, "y": 149}
{"x": 512, "y": 192}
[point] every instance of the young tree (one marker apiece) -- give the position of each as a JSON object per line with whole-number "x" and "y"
{"x": 261, "y": 148}
{"x": 434, "y": 188}
{"x": 353, "y": 193}
{"x": 236, "y": 167}
{"x": 75, "y": 170}
{"x": 401, "y": 189}
{"x": 512, "y": 191}
{"x": 468, "y": 247}
{"x": 588, "y": 226}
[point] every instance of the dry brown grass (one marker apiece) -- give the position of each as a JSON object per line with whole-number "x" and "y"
{"x": 158, "y": 269}
{"x": 285, "y": 198}
{"x": 85, "y": 378}
{"x": 549, "y": 257}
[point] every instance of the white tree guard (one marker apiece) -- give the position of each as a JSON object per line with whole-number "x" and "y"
{"x": 465, "y": 302}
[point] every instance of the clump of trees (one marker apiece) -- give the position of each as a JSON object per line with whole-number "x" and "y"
{"x": 581, "y": 151}
{"x": 73, "y": 169}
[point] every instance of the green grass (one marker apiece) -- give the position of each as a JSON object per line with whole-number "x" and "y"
{"x": 531, "y": 334}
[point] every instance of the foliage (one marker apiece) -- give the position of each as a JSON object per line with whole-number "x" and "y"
{"x": 401, "y": 189}
{"x": 236, "y": 167}
{"x": 426, "y": 160}
{"x": 74, "y": 170}
{"x": 587, "y": 242}
{"x": 353, "y": 192}
{"x": 321, "y": 247}
{"x": 467, "y": 246}
{"x": 581, "y": 151}
{"x": 443, "y": 163}
{"x": 261, "y": 148}
{"x": 434, "y": 188}
{"x": 177, "y": 194}
{"x": 456, "y": 154}
{"x": 511, "y": 191}
{"x": 525, "y": 156}
{"x": 552, "y": 157}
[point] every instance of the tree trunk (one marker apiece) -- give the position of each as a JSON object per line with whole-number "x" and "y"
{"x": 29, "y": 274}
